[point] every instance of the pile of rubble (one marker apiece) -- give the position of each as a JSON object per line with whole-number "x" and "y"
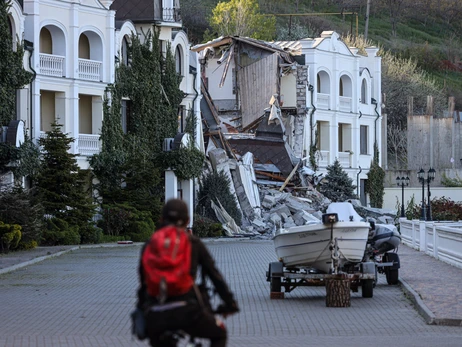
{"x": 268, "y": 207}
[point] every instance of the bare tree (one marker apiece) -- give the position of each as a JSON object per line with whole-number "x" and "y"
{"x": 397, "y": 146}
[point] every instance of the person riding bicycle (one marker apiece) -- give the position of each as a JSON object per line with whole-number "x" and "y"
{"x": 186, "y": 312}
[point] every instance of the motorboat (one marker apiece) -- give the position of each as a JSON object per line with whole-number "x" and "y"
{"x": 338, "y": 240}
{"x": 384, "y": 238}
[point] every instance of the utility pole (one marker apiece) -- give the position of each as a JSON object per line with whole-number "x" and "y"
{"x": 366, "y": 27}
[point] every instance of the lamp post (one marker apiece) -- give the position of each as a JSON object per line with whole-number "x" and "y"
{"x": 430, "y": 177}
{"x": 402, "y": 182}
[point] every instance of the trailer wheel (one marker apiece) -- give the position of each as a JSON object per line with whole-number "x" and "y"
{"x": 367, "y": 288}
{"x": 392, "y": 276}
{"x": 275, "y": 285}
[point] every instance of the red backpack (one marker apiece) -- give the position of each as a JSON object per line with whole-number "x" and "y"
{"x": 167, "y": 262}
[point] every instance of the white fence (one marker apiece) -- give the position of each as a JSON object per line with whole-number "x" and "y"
{"x": 90, "y": 69}
{"x": 441, "y": 240}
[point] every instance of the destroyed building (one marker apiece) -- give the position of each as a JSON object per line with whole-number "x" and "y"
{"x": 278, "y": 100}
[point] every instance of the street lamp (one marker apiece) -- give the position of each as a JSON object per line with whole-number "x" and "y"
{"x": 430, "y": 177}
{"x": 402, "y": 182}
{"x": 421, "y": 177}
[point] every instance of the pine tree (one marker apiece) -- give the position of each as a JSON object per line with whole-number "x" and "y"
{"x": 375, "y": 177}
{"x": 337, "y": 186}
{"x": 61, "y": 183}
{"x": 216, "y": 186}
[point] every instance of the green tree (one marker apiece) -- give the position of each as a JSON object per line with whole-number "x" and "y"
{"x": 216, "y": 186}
{"x": 62, "y": 184}
{"x": 337, "y": 186}
{"x": 242, "y": 18}
{"x": 12, "y": 73}
{"x": 131, "y": 164}
{"x": 375, "y": 177}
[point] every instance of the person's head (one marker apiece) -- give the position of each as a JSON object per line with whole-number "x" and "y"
{"x": 175, "y": 211}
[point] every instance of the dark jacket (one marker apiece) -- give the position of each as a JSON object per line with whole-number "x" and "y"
{"x": 200, "y": 256}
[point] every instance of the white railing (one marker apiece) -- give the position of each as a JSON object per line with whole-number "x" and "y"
{"x": 323, "y": 158}
{"x": 344, "y": 159}
{"x": 344, "y": 104}
{"x": 90, "y": 69}
{"x": 441, "y": 240}
{"x": 323, "y": 101}
{"x": 88, "y": 144}
{"x": 51, "y": 65}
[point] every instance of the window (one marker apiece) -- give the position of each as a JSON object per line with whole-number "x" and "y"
{"x": 124, "y": 51}
{"x": 178, "y": 60}
{"x": 126, "y": 111}
{"x": 340, "y": 134}
{"x": 364, "y": 92}
{"x": 363, "y": 132}
{"x": 340, "y": 88}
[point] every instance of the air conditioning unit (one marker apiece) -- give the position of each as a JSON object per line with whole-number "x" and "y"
{"x": 167, "y": 145}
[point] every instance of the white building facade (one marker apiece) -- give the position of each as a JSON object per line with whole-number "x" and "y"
{"x": 345, "y": 118}
{"x": 76, "y": 47}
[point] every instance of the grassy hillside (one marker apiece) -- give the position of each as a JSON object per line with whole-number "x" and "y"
{"x": 427, "y": 31}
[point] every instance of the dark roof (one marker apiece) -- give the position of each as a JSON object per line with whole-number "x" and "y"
{"x": 265, "y": 151}
{"x": 136, "y": 10}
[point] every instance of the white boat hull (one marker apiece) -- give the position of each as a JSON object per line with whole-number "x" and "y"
{"x": 308, "y": 245}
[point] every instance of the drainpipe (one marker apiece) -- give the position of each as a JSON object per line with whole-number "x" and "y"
{"x": 313, "y": 109}
{"x": 193, "y": 71}
{"x": 374, "y": 102}
{"x": 357, "y": 181}
{"x": 29, "y": 46}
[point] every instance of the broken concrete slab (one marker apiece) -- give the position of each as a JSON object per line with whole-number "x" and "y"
{"x": 268, "y": 201}
{"x": 295, "y": 204}
{"x": 279, "y": 209}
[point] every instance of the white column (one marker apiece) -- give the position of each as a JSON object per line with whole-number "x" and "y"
{"x": 171, "y": 185}
{"x": 36, "y": 117}
{"x": 188, "y": 197}
{"x": 96, "y": 114}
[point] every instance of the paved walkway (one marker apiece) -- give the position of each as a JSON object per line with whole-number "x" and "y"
{"x": 84, "y": 297}
{"x": 433, "y": 286}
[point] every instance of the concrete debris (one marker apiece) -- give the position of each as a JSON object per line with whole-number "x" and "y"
{"x": 268, "y": 201}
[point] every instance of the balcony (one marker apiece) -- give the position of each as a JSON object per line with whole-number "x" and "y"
{"x": 88, "y": 144}
{"x": 344, "y": 159}
{"x": 171, "y": 15}
{"x": 323, "y": 157}
{"x": 323, "y": 101}
{"x": 51, "y": 65}
{"x": 344, "y": 104}
{"x": 90, "y": 70}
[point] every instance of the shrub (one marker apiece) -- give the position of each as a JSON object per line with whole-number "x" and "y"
{"x": 446, "y": 209}
{"x": 24, "y": 246}
{"x": 206, "y": 227}
{"x": 10, "y": 235}
{"x": 58, "y": 232}
{"x": 90, "y": 234}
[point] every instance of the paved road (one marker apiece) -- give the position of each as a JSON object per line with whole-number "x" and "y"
{"x": 83, "y": 298}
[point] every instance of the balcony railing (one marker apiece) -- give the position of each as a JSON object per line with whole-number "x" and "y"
{"x": 323, "y": 157}
{"x": 88, "y": 144}
{"x": 171, "y": 15}
{"x": 323, "y": 101}
{"x": 51, "y": 65}
{"x": 90, "y": 69}
{"x": 344, "y": 104}
{"x": 344, "y": 159}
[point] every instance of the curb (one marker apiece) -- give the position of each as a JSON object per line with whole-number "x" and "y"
{"x": 57, "y": 254}
{"x": 424, "y": 311}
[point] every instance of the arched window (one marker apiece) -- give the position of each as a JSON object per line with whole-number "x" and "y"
{"x": 124, "y": 50}
{"x": 364, "y": 92}
{"x": 323, "y": 82}
{"x": 345, "y": 86}
{"x": 178, "y": 60}
{"x": 84, "y": 47}
{"x": 46, "y": 42}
